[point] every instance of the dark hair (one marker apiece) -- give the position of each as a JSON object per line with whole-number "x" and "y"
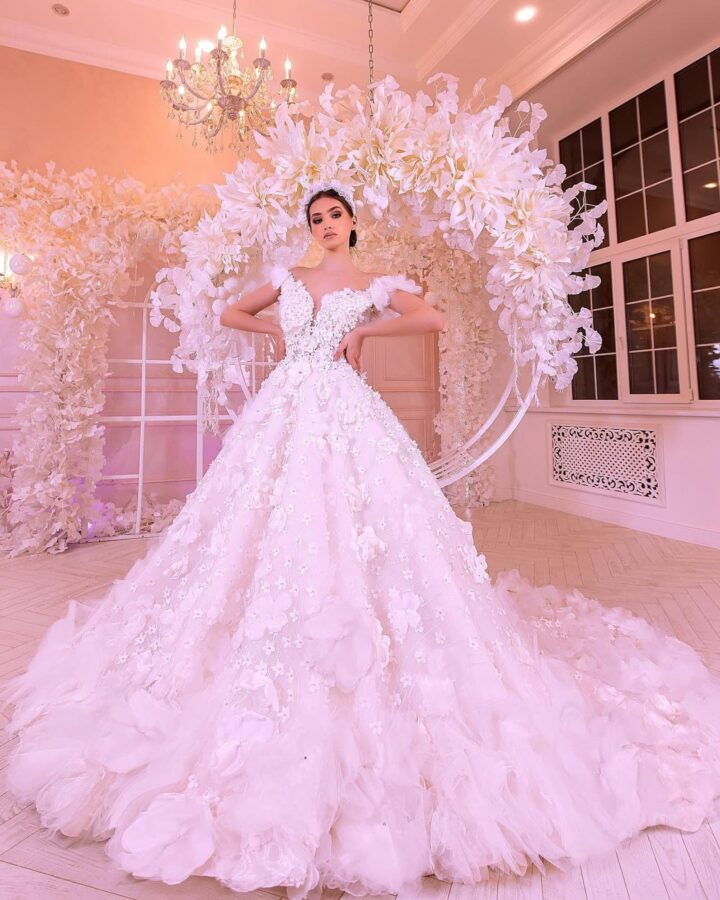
{"x": 332, "y": 193}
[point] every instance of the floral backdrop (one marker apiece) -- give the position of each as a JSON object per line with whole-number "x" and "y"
{"x": 76, "y": 239}
{"x": 459, "y": 199}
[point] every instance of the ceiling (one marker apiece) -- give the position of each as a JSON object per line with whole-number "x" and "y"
{"x": 413, "y": 38}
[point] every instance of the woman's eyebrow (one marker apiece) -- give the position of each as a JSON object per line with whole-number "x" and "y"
{"x": 330, "y": 210}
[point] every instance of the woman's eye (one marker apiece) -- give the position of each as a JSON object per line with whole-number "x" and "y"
{"x": 336, "y": 215}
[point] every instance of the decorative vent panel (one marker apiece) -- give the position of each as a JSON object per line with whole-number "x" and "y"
{"x": 621, "y": 460}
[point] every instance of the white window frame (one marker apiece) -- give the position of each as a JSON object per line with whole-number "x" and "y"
{"x": 143, "y": 418}
{"x": 674, "y": 239}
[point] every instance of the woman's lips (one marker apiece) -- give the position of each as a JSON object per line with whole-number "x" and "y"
{"x": 331, "y": 234}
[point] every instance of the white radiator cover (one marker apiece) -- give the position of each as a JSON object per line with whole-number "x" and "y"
{"x": 614, "y": 460}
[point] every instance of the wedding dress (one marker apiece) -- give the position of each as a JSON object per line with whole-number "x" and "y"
{"x": 310, "y": 679}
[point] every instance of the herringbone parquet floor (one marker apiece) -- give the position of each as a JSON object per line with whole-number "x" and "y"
{"x": 673, "y": 584}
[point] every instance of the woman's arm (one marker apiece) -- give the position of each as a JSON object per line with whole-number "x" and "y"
{"x": 243, "y": 313}
{"x": 416, "y": 317}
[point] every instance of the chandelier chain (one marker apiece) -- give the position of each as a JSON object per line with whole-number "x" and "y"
{"x": 234, "y": 13}
{"x": 371, "y": 62}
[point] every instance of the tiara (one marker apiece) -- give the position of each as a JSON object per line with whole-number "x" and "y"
{"x": 333, "y": 184}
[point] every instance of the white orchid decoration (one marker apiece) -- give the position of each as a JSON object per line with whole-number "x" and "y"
{"x": 426, "y": 167}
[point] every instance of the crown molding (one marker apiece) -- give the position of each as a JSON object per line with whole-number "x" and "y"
{"x": 412, "y": 12}
{"x": 590, "y": 23}
{"x": 106, "y": 55}
{"x": 452, "y": 36}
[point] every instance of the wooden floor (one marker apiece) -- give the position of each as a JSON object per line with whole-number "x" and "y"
{"x": 673, "y": 584}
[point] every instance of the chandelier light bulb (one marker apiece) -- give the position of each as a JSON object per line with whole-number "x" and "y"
{"x": 169, "y": 69}
{"x": 183, "y": 46}
{"x": 222, "y": 34}
{"x": 263, "y": 47}
{"x": 198, "y": 53}
{"x": 288, "y": 67}
{"x": 525, "y": 14}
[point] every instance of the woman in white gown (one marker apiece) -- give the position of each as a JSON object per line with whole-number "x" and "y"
{"x": 310, "y": 681}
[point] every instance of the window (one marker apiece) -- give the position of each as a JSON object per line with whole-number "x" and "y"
{"x": 596, "y": 377}
{"x": 582, "y": 155}
{"x": 641, "y": 165}
{"x": 704, "y": 254}
{"x": 650, "y": 325}
{"x": 658, "y": 306}
{"x": 697, "y": 98}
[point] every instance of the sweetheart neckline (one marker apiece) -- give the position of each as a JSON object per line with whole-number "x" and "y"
{"x": 316, "y": 310}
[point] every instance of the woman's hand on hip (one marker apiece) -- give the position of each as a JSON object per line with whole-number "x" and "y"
{"x": 351, "y": 346}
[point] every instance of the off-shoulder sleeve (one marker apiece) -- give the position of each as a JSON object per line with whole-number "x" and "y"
{"x": 278, "y": 274}
{"x": 382, "y": 288}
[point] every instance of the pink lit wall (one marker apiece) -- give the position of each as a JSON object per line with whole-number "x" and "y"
{"x": 86, "y": 117}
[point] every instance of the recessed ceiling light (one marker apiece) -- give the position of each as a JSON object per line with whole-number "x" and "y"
{"x": 525, "y": 13}
{"x": 60, "y": 9}
{"x": 711, "y": 184}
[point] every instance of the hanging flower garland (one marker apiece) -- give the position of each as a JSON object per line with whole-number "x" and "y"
{"x": 76, "y": 239}
{"x": 421, "y": 165}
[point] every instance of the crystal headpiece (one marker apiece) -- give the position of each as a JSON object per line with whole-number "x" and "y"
{"x": 332, "y": 184}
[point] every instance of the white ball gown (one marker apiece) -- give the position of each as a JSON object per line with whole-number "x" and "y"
{"x": 310, "y": 680}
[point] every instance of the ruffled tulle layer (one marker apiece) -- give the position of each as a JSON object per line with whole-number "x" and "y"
{"x": 310, "y": 680}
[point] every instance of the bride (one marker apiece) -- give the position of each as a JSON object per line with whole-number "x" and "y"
{"x": 310, "y": 680}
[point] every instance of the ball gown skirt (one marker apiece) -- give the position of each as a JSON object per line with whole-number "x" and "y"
{"x": 309, "y": 680}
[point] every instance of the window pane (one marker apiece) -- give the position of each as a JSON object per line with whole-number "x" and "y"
{"x": 626, "y": 171}
{"x": 653, "y": 113}
{"x": 692, "y": 88}
{"x": 705, "y": 261}
{"x": 701, "y": 191}
{"x": 660, "y": 274}
{"x": 604, "y": 324}
{"x": 583, "y": 385}
{"x": 638, "y": 326}
{"x": 635, "y": 279}
{"x": 708, "y": 364}
{"x": 656, "y": 158}
{"x": 570, "y": 153}
{"x": 596, "y": 175}
{"x": 641, "y": 373}
{"x": 623, "y": 126}
{"x": 705, "y": 283}
{"x": 666, "y": 372}
{"x": 650, "y": 324}
{"x": 660, "y": 208}
{"x": 697, "y": 140}
{"x": 577, "y": 301}
{"x": 602, "y": 295}
{"x": 582, "y": 155}
{"x": 630, "y": 214}
{"x": 592, "y": 143}
{"x": 606, "y": 374}
{"x": 706, "y": 311}
{"x": 663, "y": 322}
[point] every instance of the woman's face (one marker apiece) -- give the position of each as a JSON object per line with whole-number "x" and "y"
{"x": 330, "y": 223}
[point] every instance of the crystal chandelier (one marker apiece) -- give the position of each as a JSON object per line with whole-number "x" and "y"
{"x": 218, "y": 92}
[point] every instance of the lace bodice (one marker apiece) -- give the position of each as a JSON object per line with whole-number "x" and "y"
{"x": 315, "y": 335}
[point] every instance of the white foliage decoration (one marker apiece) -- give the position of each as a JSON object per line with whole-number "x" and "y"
{"x": 438, "y": 180}
{"x": 76, "y": 239}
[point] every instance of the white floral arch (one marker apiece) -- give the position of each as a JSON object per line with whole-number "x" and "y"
{"x": 459, "y": 184}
